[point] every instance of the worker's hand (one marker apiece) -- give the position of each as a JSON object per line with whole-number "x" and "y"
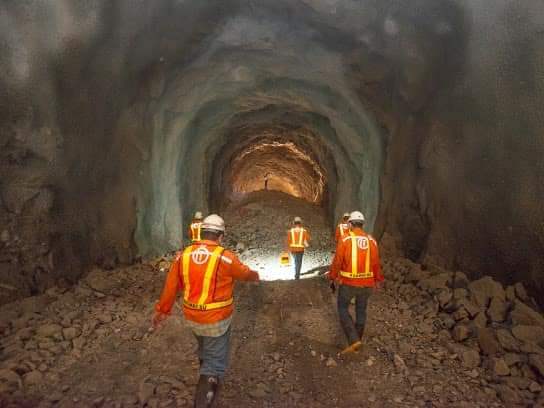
{"x": 157, "y": 319}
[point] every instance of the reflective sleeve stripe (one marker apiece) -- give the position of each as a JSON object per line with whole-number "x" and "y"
{"x": 185, "y": 267}
{"x": 225, "y": 259}
{"x": 210, "y": 269}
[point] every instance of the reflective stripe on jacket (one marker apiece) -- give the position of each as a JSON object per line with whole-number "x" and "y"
{"x": 194, "y": 231}
{"x": 356, "y": 261}
{"x": 342, "y": 230}
{"x": 297, "y": 237}
{"x": 205, "y": 273}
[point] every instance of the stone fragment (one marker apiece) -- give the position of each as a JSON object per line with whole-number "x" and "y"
{"x": 399, "y": 363}
{"x": 521, "y": 383}
{"x": 435, "y": 282}
{"x": 512, "y": 359}
{"x": 70, "y": 333}
{"x": 443, "y": 298}
{"x": 33, "y": 378}
{"x": 487, "y": 342}
{"x": 523, "y": 314}
{"x": 532, "y": 334}
{"x": 79, "y": 342}
{"x": 331, "y": 362}
{"x": 484, "y": 289}
{"x": 521, "y": 292}
{"x": 537, "y": 362}
{"x": 460, "y": 332}
{"x": 499, "y": 367}
{"x": 535, "y": 387}
{"x": 480, "y": 321}
{"x": 470, "y": 358}
{"x": 145, "y": 392}
{"x": 510, "y": 293}
{"x": 507, "y": 340}
{"x": 507, "y": 394}
{"x": 497, "y": 310}
{"x": 10, "y": 379}
{"x": 49, "y": 330}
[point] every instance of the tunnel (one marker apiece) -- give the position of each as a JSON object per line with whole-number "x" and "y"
{"x": 119, "y": 119}
{"x": 124, "y": 121}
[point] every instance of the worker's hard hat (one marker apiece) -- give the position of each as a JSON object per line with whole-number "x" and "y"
{"x": 356, "y": 216}
{"x": 346, "y": 215}
{"x": 213, "y": 223}
{"x": 198, "y": 215}
{"x": 297, "y": 219}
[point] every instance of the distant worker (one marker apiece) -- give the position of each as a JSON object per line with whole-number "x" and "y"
{"x": 342, "y": 229}
{"x": 205, "y": 274}
{"x": 298, "y": 239}
{"x": 194, "y": 227}
{"x": 356, "y": 268}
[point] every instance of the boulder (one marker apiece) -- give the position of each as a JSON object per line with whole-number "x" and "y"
{"x": 48, "y": 330}
{"x": 513, "y": 359}
{"x": 443, "y": 298}
{"x": 100, "y": 280}
{"x": 507, "y": 394}
{"x": 460, "y": 332}
{"x": 480, "y": 321}
{"x": 470, "y": 358}
{"x": 488, "y": 342}
{"x": 458, "y": 280}
{"x": 497, "y": 310}
{"x": 499, "y": 367}
{"x": 10, "y": 379}
{"x": 507, "y": 341}
{"x": 510, "y": 293}
{"x": 523, "y": 314}
{"x": 70, "y": 333}
{"x": 435, "y": 282}
{"x": 33, "y": 379}
{"x": 521, "y": 293}
{"x": 537, "y": 362}
{"x": 531, "y": 334}
{"x": 485, "y": 289}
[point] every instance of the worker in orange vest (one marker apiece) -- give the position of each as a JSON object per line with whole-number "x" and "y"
{"x": 194, "y": 227}
{"x": 342, "y": 229}
{"x": 356, "y": 268}
{"x": 298, "y": 239}
{"x": 205, "y": 273}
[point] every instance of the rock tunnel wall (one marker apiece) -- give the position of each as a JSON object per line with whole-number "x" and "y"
{"x": 116, "y": 118}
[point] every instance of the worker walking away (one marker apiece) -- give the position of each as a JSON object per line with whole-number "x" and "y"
{"x": 356, "y": 268}
{"x": 298, "y": 239}
{"x": 205, "y": 272}
{"x": 342, "y": 229}
{"x": 195, "y": 227}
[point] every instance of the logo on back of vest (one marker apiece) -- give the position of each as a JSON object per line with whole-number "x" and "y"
{"x": 200, "y": 255}
{"x": 362, "y": 242}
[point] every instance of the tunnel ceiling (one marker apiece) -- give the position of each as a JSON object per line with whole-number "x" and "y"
{"x": 120, "y": 118}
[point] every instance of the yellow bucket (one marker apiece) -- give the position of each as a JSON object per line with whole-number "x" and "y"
{"x": 285, "y": 259}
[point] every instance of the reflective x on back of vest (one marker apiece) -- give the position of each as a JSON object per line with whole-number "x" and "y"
{"x": 199, "y": 277}
{"x": 357, "y": 243}
{"x": 297, "y": 243}
{"x": 195, "y": 231}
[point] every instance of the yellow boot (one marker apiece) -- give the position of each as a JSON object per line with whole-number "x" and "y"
{"x": 352, "y": 348}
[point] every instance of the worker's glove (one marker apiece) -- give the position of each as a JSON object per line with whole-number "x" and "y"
{"x": 333, "y": 287}
{"x": 157, "y": 319}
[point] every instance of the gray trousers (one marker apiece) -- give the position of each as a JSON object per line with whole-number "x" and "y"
{"x": 213, "y": 353}
{"x": 353, "y": 329}
{"x": 297, "y": 256}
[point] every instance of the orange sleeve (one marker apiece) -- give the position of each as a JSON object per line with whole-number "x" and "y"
{"x": 239, "y": 271}
{"x": 337, "y": 261}
{"x": 375, "y": 260}
{"x": 171, "y": 287}
{"x": 337, "y": 233}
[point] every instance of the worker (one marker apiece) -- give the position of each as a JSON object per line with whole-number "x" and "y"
{"x": 194, "y": 227}
{"x": 342, "y": 229}
{"x": 298, "y": 239}
{"x": 205, "y": 274}
{"x": 356, "y": 268}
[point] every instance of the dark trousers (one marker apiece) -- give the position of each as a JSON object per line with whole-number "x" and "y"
{"x": 298, "y": 263}
{"x": 213, "y": 353}
{"x": 353, "y": 329}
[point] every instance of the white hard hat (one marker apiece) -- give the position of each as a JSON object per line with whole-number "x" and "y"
{"x": 198, "y": 215}
{"x": 214, "y": 223}
{"x": 346, "y": 215}
{"x": 297, "y": 219}
{"x": 356, "y": 216}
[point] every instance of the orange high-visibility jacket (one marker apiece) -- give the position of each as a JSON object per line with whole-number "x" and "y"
{"x": 296, "y": 237}
{"x": 205, "y": 274}
{"x": 353, "y": 264}
{"x": 342, "y": 230}
{"x": 194, "y": 230}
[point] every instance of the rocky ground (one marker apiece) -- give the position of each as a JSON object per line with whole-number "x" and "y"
{"x": 434, "y": 339}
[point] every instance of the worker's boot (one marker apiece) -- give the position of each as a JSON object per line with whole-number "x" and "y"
{"x": 206, "y": 391}
{"x": 352, "y": 348}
